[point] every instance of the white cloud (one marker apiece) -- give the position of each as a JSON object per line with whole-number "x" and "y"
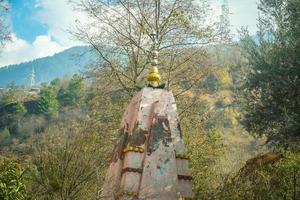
{"x": 19, "y": 50}
{"x": 59, "y": 16}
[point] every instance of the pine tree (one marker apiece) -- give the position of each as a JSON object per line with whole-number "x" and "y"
{"x": 47, "y": 104}
{"x": 271, "y": 90}
{"x": 73, "y": 94}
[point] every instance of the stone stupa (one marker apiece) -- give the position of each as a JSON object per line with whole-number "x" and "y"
{"x": 149, "y": 162}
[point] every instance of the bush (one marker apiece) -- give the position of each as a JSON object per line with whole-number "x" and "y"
{"x": 20, "y": 108}
{"x": 11, "y": 182}
{"x": 68, "y": 163}
{"x": 276, "y": 180}
{"x": 4, "y": 135}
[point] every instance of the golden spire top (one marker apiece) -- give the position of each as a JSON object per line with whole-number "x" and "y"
{"x": 153, "y": 75}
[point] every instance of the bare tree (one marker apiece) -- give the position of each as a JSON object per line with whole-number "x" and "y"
{"x": 69, "y": 162}
{"x": 4, "y": 28}
{"x": 120, "y": 32}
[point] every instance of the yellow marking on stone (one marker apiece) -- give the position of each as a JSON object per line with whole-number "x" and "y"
{"x": 130, "y": 148}
{"x": 127, "y": 193}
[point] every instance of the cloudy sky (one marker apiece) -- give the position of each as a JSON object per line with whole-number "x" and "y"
{"x": 39, "y": 26}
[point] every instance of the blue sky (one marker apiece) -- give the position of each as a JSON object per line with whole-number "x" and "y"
{"x": 38, "y": 29}
{"x": 24, "y": 22}
{"x": 39, "y": 26}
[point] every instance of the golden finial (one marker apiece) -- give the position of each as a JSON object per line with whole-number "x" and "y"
{"x": 153, "y": 75}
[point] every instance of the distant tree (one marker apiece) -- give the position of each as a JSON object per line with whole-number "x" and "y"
{"x": 271, "y": 95}
{"x": 56, "y": 83}
{"x": 44, "y": 85}
{"x": 224, "y": 78}
{"x": 20, "y": 108}
{"x": 12, "y": 185}
{"x": 74, "y": 93}
{"x": 10, "y": 94}
{"x": 47, "y": 104}
{"x": 211, "y": 83}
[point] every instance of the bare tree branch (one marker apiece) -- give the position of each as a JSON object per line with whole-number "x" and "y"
{"x": 125, "y": 26}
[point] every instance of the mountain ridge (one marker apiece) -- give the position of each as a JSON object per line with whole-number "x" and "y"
{"x": 67, "y": 62}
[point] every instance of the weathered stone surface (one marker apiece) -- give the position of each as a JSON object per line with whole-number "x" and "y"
{"x": 133, "y": 160}
{"x": 130, "y": 181}
{"x": 185, "y": 188}
{"x": 182, "y": 167}
{"x": 159, "y": 179}
{"x": 112, "y": 181}
{"x": 144, "y": 164}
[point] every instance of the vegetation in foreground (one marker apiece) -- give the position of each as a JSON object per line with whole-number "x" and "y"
{"x": 242, "y": 135}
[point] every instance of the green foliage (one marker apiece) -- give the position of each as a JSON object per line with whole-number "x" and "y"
{"x": 204, "y": 146}
{"x": 271, "y": 90}
{"x": 219, "y": 77}
{"x": 224, "y": 78}
{"x": 211, "y": 83}
{"x": 20, "y": 108}
{"x": 204, "y": 149}
{"x": 278, "y": 180}
{"x": 12, "y": 186}
{"x": 21, "y": 126}
{"x": 10, "y": 95}
{"x": 69, "y": 162}
{"x": 4, "y": 135}
{"x": 56, "y": 83}
{"x": 73, "y": 95}
{"x": 47, "y": 104}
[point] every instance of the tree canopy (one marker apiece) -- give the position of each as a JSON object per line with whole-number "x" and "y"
{"x": 271, "y": 89}
{"x": 122, "y": 32}
{"x": 47, "y": 104}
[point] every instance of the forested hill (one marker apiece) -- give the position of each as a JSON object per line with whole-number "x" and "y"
{"x": 46, "y": 69}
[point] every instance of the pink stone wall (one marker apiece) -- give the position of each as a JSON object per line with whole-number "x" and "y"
{"x": 144, "y": 163}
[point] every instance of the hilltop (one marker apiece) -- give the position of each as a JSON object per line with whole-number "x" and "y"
{"x": 65, "y": 63}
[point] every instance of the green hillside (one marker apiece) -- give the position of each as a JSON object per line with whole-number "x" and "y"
{"x": 62, "y": 64}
